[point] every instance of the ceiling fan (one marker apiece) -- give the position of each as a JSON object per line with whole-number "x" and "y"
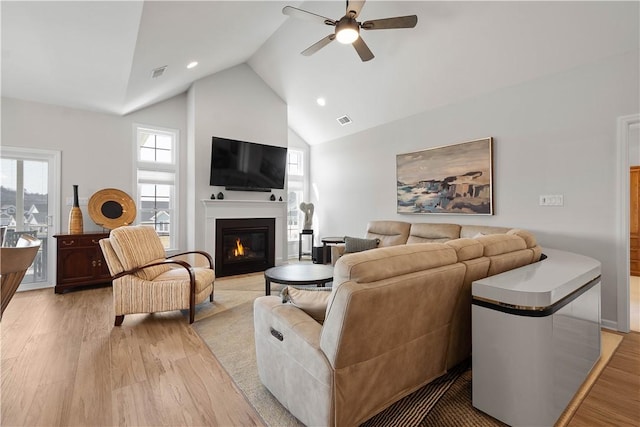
{"x": 347, "y": 29}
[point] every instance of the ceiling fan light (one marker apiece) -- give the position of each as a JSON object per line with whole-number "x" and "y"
{"x": 347, "y": 35}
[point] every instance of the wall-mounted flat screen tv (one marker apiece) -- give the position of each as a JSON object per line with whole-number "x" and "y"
{"x": 241, "y": 165}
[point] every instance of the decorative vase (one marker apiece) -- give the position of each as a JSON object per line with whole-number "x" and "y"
{"x": 75, "y": 215}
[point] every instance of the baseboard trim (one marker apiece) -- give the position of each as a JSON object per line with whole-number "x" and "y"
{"x": 610, "y": 324}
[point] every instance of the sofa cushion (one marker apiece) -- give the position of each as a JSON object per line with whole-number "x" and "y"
{"x": 497, "y": 244}
{"x": 426, "y": 232}
{"x": 472, "y": 230}
{"x": 467, "y": 249}
{"x": 355, "y": 244}
{"x": 528, "y": 237}
{"x": 369, "y": 266}
{"x": 390, "y": 233}
{"x": 312, "y": 301}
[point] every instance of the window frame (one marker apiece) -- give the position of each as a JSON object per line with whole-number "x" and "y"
{"x": 300, "y": 179}
{"x": 172, "y": 167}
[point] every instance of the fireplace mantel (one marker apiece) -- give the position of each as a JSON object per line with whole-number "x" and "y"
{"x": 246, "y": 209}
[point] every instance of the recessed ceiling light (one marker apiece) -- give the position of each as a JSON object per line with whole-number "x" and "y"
{"x": 321, "y": 102}
{"x": 192, "y": 64}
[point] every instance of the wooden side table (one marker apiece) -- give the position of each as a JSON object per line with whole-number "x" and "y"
{"x": 326, "y": 256}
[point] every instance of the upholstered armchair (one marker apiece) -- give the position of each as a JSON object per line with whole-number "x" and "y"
{"x": 145, "y": 280}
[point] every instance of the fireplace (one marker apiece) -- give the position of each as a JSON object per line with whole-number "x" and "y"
{"x": 244, "y": 245}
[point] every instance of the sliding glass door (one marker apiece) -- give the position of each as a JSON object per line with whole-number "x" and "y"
{"x": 29, "y": 191}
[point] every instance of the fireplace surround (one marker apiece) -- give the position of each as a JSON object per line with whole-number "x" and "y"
{"x": 215, "y": 210}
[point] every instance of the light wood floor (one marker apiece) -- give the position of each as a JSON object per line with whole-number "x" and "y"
{"x": 63, "y": 363}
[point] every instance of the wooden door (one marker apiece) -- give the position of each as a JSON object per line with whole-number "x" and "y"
{"x": 634, "y": 220}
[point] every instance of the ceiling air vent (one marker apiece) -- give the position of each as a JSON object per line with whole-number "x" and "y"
{"x": 344, "y": 120}
{"x": 157, "y": 72}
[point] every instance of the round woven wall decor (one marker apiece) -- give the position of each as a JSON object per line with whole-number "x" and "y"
{"x": 111, "y": 208}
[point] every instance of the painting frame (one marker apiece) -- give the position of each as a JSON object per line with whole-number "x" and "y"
{"x": 454, "y": 179}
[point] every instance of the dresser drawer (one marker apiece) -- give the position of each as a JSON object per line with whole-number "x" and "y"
{"x": 75, "y": 241}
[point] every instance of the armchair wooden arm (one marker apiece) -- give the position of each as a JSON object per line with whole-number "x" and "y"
{"x": 184, "y": 264}
{"x": 203, "y": 253}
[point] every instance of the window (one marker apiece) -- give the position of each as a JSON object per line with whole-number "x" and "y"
{"x": 295, "y": 163}
{"x": 156, "y": 175}
{"x": 295, "y": 179}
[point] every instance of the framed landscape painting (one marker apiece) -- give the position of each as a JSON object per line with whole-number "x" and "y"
{"x": 454, "y": 179}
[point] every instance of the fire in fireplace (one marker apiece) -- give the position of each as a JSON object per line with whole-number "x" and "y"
{"x": 244, "y": 245}
{"x": 239, "y": 249}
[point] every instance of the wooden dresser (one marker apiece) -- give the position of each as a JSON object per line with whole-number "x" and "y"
{"x": 80, "y": 261}
{"x": 634, "y": 220}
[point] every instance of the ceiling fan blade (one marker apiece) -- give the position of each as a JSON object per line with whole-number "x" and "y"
{"x": 386, "y": 23}
{"x": 363, "y": 50}
{"x": 318, "y": 45}
{"x": 354, "y": 7}
{"x": 308, "y": 16}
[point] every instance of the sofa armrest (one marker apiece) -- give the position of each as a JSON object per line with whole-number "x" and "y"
{"x": 289, "y": 330}
{"x": 290, "y": 362}
{"x": 336, "y": 252}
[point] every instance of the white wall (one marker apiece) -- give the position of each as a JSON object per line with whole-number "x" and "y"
{"x": 236, "y": 104}
{"x": 554, "y": 135}
{"x": 97, "y": 149}
{"x": 92, "y": 147}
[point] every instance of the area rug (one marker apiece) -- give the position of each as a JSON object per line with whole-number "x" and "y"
{"x": 227, "y": 329}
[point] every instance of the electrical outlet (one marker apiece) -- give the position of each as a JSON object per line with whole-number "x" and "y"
{"x": 552, "y": 200}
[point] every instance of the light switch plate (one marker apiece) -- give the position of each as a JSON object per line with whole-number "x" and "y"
{"x": 552, "y": 200}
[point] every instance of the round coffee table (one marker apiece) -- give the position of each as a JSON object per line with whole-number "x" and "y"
{"x": 298, "y": 274}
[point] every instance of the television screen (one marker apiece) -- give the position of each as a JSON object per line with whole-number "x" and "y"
{"x": 241, "y": 165}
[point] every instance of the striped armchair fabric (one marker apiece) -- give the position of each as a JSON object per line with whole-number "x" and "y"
{"x": 146, "y": 281}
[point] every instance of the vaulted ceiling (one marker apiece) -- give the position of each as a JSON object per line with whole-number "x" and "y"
{"x": 99, "y": 55}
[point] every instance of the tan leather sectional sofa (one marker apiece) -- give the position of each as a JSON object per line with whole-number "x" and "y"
{"x": 396, "y": 318}
{"x": 391, "y": 233}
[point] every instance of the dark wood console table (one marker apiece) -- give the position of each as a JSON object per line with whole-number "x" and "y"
{"x": 80, "y": 261}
